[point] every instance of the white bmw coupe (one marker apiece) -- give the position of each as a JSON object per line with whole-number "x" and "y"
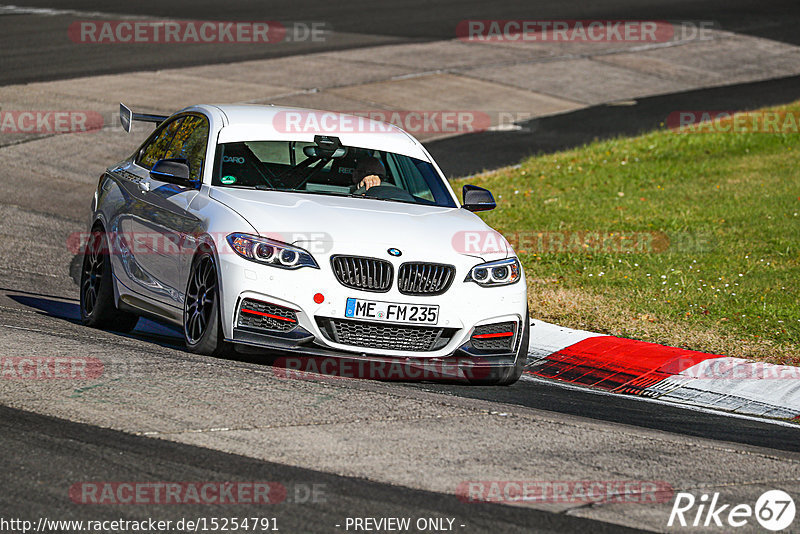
{"x": 243, "y": 229}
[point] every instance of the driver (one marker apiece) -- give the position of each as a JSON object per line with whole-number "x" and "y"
{"x": 368, "y": 173}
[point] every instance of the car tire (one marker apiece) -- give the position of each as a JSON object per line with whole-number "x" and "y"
{"x": 202, "y": 325}
{"x": 97, "y": 305}
{"x": 505, "y": 376}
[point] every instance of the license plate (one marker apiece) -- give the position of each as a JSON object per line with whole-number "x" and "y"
{"x": 392, "y": 312}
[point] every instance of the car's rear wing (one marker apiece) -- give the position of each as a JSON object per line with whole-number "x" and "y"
{"x": 126, "y": 117}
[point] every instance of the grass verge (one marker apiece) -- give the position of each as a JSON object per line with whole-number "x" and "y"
{"x": 686, "y": 239}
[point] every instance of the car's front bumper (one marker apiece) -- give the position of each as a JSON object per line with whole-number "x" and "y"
{"x": 298, "y": 356}
{"x": 462, "y": 308}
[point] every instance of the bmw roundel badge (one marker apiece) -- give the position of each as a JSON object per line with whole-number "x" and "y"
{"x": 394, "y": 252}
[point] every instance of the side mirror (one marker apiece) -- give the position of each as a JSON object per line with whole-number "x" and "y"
{"x": 477, "y": 199}
{"x": 173, "y": 171}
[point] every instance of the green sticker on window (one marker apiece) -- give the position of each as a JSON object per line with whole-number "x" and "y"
{"x": 227, "y": 180}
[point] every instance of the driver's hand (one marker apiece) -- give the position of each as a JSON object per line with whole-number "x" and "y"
{"x": 369, "y": 181}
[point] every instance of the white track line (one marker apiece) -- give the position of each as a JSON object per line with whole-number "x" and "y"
{"x": 51, "y": 12}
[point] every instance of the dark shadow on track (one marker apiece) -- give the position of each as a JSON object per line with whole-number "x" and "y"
{"x": 54, "y": 308}
{"x": 584, "y": 402}
{"x": 162, "y": 334}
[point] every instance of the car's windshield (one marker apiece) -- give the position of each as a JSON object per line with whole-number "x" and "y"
{"x": 295, "y": 166}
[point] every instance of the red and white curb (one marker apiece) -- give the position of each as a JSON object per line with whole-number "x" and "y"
{"x": 627, "y": 366}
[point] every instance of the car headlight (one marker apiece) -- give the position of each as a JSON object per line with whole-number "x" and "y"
{"x": 270, "y": 252}
{"x": 496, "y": 273}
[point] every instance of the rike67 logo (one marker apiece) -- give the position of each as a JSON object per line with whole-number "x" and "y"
{"x": 774, "y": 510}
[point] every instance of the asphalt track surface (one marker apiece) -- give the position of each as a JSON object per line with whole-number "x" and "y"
{"x": 43, "y": 455}
{"x": 531, "y": 393}
{"x": 37, "y": 47}
{"x": 59, "y": 452}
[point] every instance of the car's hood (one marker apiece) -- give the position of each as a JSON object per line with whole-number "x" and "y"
{"x": 364, "y": 226}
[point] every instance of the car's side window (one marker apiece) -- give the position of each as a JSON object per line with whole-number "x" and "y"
{"x": 190, "y": 142}
{"x": 157, "y": 147}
